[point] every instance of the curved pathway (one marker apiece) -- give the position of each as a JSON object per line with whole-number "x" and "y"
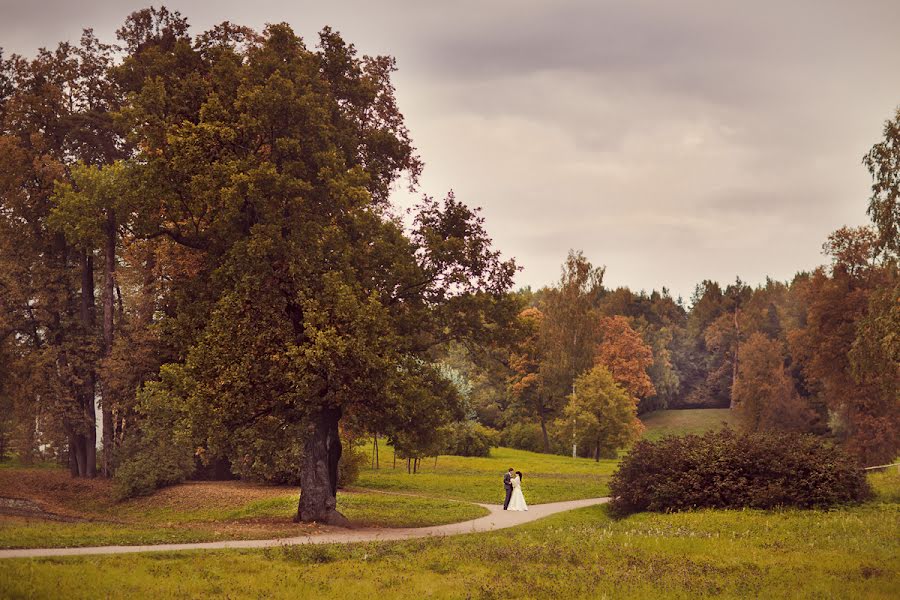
{"x": 497, "y": 519}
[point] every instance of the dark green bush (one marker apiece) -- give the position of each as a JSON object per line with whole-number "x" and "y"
{"x": 468, "y": 438}
{"x": 726, "y": 469}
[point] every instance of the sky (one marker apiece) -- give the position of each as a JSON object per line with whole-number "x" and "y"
{"x": 670, "y": 141}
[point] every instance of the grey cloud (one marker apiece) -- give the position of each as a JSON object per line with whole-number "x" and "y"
{"x": 671, "y": 141}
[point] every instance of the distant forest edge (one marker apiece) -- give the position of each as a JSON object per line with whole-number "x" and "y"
{"x": 196, "y": 232}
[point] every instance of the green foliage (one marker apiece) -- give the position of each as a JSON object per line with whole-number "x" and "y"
{"x": 162, "y": 452}
{"x": 523, "y": 435}
{"x": 884, "y": 204}
{"x": 470, "y": 438}
{"x": 602, "y": 413}
{"x": 725, "y": 469}
{"x": 272, "y": 456}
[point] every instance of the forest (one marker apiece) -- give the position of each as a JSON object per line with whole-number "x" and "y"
{"x": 202, "y": 274}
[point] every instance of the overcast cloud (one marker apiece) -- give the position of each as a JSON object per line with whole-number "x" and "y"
{"x": 671, "y": 141}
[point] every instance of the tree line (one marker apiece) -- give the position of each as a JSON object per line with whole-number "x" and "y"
{"x": 819, "y": 354}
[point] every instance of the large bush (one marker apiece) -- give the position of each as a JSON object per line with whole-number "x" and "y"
{"x": 159, "y": 451}
{"x": 524, "y": 436}
{"x": 468, "y": 438}
{"x": 726, "y": 469}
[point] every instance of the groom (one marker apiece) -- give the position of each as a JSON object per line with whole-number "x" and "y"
{"x": 508, "y": 485}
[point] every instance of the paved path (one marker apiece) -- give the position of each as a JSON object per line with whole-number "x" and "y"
{"x": 497, "y": 519}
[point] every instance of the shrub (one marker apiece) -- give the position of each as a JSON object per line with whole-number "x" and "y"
{"x": 161, "y": 447}
{"x": 159, "y": 451}
{"x": 468, "y": 438}
{"x": 352, "y": 460}
{"x": 725, "y": 469}
{"x": 524, "y": 436}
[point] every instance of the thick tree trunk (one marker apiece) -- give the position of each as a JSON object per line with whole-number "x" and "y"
{"x": 73, "y": 460}
{"x": 109, "y": 275}
{"x": 319, "y": 470}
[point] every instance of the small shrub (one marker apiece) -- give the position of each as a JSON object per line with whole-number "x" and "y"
{"x": 468, "y": 438}
{"x": 524, "y": 436}
{"x": 352, "y": 460}
{"x": 725, "y": 469}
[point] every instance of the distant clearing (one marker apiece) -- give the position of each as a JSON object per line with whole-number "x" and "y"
{"x": 683, "y": 422}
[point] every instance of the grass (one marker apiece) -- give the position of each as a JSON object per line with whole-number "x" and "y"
{"x": 851, "y": 552}
{"x": 271, "y": 518}
{"x": 546, "y": 478}
{"x": 210, "y": 511}
{"x": 193, "y": 512}
{"x": 661, "y": 423}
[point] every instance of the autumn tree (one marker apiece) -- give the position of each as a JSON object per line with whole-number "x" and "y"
{"x": 764, "y": 394}
{"x": 602, "y": 413}
{"x": 625, "y": 355}
{"x": 55, "y": 110}
{"x": 529, "y": 368}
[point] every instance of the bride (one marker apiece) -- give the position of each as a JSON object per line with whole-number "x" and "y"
{"x": 517, "y": 502}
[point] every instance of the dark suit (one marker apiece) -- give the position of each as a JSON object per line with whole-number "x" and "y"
{"x": 508, "y": 485}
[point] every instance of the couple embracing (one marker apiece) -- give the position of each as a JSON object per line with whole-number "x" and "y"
{"x": 515, "y": 500}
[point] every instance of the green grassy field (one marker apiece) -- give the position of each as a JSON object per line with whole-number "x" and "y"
{"x": 681, "y": 422}
{"x": 546, "y": 478}
{"x": 210, "y": 511}
{"x": 268, "y": 518}
{"x": 850, "y": 552}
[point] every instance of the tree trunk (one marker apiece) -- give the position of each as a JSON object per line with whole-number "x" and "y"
{"x": 319, "y": 470}
{"x": 543, "y": 419}
{"x": 597, "y": 452}
{"x": 108, "y": 307}
{"x": 88, "y": 392}
{"x": 377, "y": 458}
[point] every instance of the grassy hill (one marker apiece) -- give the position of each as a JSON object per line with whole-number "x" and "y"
{"x": 682, "y": 422}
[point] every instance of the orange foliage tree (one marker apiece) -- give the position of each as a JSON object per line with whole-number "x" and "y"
{"x": 626, "y": 356}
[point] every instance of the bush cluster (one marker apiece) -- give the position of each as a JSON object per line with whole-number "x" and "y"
{"x": 468, "y": 438}
{"x": 524, "y": 436}
{"x": 726, "y": 469}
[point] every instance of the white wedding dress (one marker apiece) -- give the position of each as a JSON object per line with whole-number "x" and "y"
{"x": 517, "y": 501}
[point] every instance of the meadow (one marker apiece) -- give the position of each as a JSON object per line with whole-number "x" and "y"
{"x": 443, "y": 491}
{"x": 546, "y": 477}
{"x": 688, "y": 421}
{"x": 842, "y": 553}
{"x": 850, "y": 552}
{"x": 84, "y": 512}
